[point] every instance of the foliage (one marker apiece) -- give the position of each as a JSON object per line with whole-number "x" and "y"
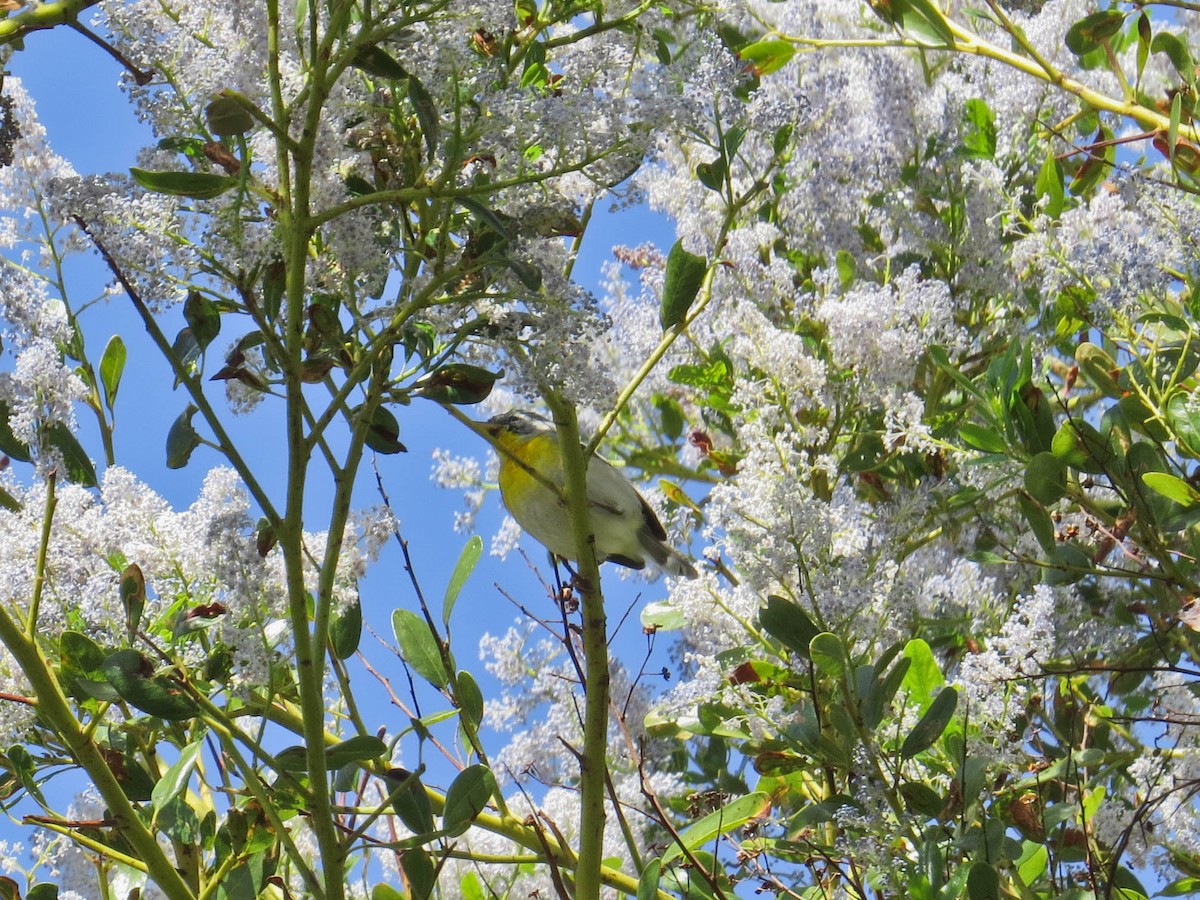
{"x": 915, "y": 378}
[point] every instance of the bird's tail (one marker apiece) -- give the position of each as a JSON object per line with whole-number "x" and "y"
{"x": 666, "y": 558}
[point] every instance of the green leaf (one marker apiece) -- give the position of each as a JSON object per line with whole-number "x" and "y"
{"x": 182, "y": 439}
{"x": 1096, "y": 165}
{"x": 920, "y": 18}
{"x": 846, "y": 268}
{"x": 527, "y": 273}
{"x": 345, "y": 629}
{"x": 76, "y": 463}
{"x": 983, "y": 883}
{"x": 470, "y": 698}
{"x": 203, "y": 317}
{"x": 458, "y": 383}
{"x": 43, "y": 891}
{"x": 112, "y": 365}
{"x": 1177, "y": 51}
{"x": 1144, "y": 38}
{"x": 410, "y": 802}
{"x": 24, "y": 767}
{"x": 1049, "y": 185}
{"x": 9, "y": 445}
{"x": 979, "y": 138}
{"x": 1099, "y": 368}
{"x": 648, "y": 881}
{"x": 937, "y": 355}
{"x": 227, "y": 117}
{"x": 788, "y": 623}
{"x": 1046, "y": 478}
{"x": 383, "y": 431}
{"x": 1039, "y": 521}
{"x": 924, "y": 676}
{"x": 467, "y": 560}
{"x": 419, "y": 646}
{"x": 426, "y": 112}
{"x": 1082, "y": 447}
{"x": 684, "y": 277}
{"x": 921, "y": 799}
{"x": 1184, "y": 887}
{"x": 981, "y": 438}
{"x": 765, "y": 57}
{"x": 732, "y": 816}
{"x": 1089, "y": 32}
{"x": 175, "y": 781}
{"x": 133, "y": 598}
{"x": 467, "y": 796}
{"x": 359, "y": 749}
{"x": 158, "y": 695}
{"x": 197, "y": 185}
{"x": 374, "y": 60}
{"x": 469, "y": 887}
{"x": 186, "y": 350}
{"x": 1032, "y": 862}
{"x": 662, "y": 616}
{"x": 419, "y": 873}
{"x": 828, "y": 654}
{"x": 932, "y": 724}
{"x": 712, "y": 174}
{"x": 1183, "y": 415}
{"x": 1172, "y": 488}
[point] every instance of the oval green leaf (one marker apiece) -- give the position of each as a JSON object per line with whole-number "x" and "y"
{"x": 467, "y": 561}
{"x": 158, "y": 695}
{"x": 227, "y": 117}
{"x": 419, "y": 646}
{"x": 647, "y": 888}
{"x": 77, "y": 464}
{"x": 684, "y": 276}
{"x": 458, "y": 383}
{"x": 731, "y": 816}
{"x": 788, "y": 623}
{"x": 197, "y": 185}
{"x": 932, "y": 724}
{"x": 173, "y": 783}
{"x": 828, "y": 654}
{"x": 182, "y": 439}
{"x": 383, "y": 432}
{"x": 1046, "y": 478}
{"x": 467, "y": 797}
{"x": 345, "y": 630}
{"x": 112, "y": 366}
{"x": 469, "y": 698}
{"x": 410, "y": 801}
{"x": 358, "y": 749}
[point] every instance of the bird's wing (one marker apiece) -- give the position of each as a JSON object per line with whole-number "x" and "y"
{"x": 651, "y": 520}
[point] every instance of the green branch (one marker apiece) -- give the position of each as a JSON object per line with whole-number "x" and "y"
{"x": 593, "y": 761}
{"x": 55, "y": 710}
{"x": 40, "y": 17}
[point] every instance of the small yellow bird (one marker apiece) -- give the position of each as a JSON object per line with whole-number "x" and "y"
{"x": 627, "y": 530}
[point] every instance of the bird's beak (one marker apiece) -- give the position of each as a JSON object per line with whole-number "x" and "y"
{"x": 491, "y": 429}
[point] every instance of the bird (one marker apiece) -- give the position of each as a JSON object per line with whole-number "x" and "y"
{"x": 532, "y": 485}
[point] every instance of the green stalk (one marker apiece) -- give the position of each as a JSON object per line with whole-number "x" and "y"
{"x": 593, "y": 761}
{"x": 39, "y": 577}
{"x": 40, "y": 17}
{"x": 296, "y": 228}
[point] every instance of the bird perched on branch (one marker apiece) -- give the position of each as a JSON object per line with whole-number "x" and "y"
{"x": 533, "y": 486}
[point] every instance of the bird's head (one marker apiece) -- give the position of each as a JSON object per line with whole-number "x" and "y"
{"x": 517, "y": 423}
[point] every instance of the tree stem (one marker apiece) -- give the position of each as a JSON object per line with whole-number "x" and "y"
{"x": 593, "y": 760}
